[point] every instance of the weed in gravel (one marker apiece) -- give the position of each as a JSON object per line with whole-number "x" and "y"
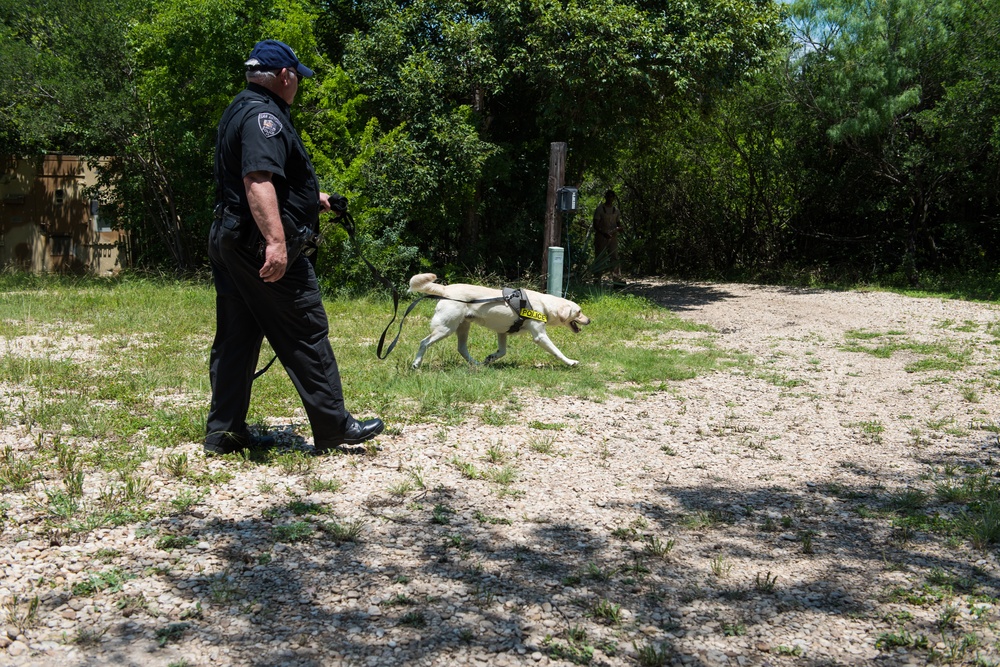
{"x": 871, "y": 431}
{"x": 735, "y": 629}
{"x": 296, "y": 531}
{"x": 176, "y": 465}
{"x": 168, "y": 542}
{"x": 579, "y": 654}
{"x": 441, "y": 514}
{"x": 302, "y": 508}
{"x": 21, "y": 615}
{"x": 106, "y": 555}
{"x": 318, "y": 485}
{"x": 17, "y": 474}
{"x": 493, "y": 520}
{"x": 349, "y": 531}
{"x": 185, "y": 500}
{"x": 981, "y": 525}
{"x": 504, "y": 476}
{"x": 495, "y": 417}
{"x": 766, "y": 583}
{"x": 543, "y": 445}
{"x": 89, "y": 636}
{"x": 170, "y": 633}
{"x": 400, "y": 488}
{"x": 806, "y": 538}
{"x": 597, "y": 573}
{"x": 497, "y": 453}
{"x": 108, "y": 580}
{"x": 721, "y": 567}
{"x": 654, "y": 655}
{"x": 413, "y": 619}
{"x": 468, "y": 470}
{"x": 907, "y": 501}
{"x": 657, "y": 547}
{"x": 704, "y": 519}
{"x": 888, "y": 641}
{"x": 294, "y": 463}
{"x": 131, "y": 604}
{"x": 607, "y": 611}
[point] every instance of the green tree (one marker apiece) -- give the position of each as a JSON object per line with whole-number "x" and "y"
{"x": 481, "y": 87}
{"x": 145, "y": 82}
{"x": 865, "y": 75}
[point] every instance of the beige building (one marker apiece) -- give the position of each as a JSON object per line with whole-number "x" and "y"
{"x": 49, "y": 222}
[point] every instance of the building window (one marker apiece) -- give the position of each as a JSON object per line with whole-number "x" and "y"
{"x": 60, "y": 196}
{"x": 95, "y": 214}
{"x": 62, "y": 246}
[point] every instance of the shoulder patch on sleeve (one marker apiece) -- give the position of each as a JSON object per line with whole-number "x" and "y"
{"x": 269, "y": 124}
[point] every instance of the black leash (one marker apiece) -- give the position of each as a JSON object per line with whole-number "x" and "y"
{"x": 347, "y": 220}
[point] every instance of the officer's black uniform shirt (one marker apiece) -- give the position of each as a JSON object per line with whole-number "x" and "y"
{"x": 256, "y": 134}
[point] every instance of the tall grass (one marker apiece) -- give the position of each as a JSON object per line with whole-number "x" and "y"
{"x": 116, "y": 357}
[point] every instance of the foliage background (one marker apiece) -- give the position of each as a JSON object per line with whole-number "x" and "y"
{"x": 811, "y": 141}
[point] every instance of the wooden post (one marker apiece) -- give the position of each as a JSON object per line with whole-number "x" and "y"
{"x": 553, "y": 220}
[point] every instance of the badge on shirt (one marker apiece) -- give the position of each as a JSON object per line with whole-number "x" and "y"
{"x": 269, "y": 124}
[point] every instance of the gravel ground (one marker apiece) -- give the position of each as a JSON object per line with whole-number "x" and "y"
{"x": 736, "y": 518}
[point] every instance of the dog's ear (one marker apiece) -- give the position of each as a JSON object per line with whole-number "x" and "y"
{"x": 565, "y": 313}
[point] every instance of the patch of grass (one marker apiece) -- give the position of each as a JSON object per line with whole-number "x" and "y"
{"x": 493, "y": 520}
{"x": 297, "y": 531}
{"x": 766, "y": 583}
{"x": 572, "y": 651}
{"x": 607, "y": 611}
{"x": 703, "y": 519}
{"x": 543, "y": 445}
{"x": 349, "y": 531}
{"x": 413, "y": 619}
{"x": 172, "y": 632}
{"x": 468, "y": 470}
{"x": 317, "y": 485}
{"x": 546, "y": 426}
{"x": 185, "y": 500}
{"x": 659, "y": 548}
{"x": 21, "y": 614}
{"x": 982, "y": 525}
{"x": 302, "y": 508}
{"x": 654, "y": 655}
{"x": 888, "y": 641}
{"x": 168, "y": 542}
{"x": 441, "y": 514}
{"x": 108, "y": 580}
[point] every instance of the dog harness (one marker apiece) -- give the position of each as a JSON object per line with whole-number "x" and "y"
{"x": 519, "y": 303}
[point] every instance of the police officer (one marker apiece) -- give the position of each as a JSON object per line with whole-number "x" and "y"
{"x": 267, "y": 215}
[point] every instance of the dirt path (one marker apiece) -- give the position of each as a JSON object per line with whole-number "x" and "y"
{"x": 753, "y": 516}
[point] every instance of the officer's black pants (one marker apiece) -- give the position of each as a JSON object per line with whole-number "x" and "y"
{"x": 290, "y": 314}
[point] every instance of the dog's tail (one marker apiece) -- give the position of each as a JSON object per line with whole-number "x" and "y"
{"x": 424, "y": 282}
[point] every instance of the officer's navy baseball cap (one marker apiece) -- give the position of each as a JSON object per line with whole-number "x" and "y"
{"x": 272, "y": 54}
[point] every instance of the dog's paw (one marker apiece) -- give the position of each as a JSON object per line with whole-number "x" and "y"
{"x": 572, "y": 362}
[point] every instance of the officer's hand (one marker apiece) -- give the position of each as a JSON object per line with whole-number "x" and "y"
{"x": 275, "y": 262}
{"x": 324, "y": 202}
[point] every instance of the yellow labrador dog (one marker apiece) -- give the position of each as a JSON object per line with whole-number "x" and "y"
{"x": 461, "y": 305}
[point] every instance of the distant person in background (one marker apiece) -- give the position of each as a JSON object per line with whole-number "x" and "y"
{"x": 607, "y": 218}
